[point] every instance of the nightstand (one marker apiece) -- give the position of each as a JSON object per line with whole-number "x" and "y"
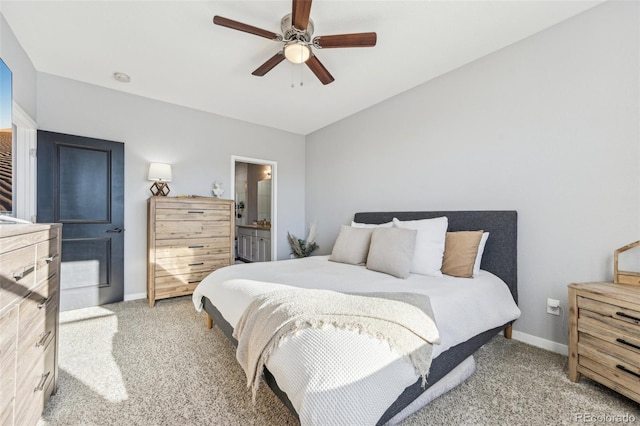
{"x": 604, "y": 335}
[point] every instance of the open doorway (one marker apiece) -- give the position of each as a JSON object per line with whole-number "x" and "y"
{"x": 254, "y": 192}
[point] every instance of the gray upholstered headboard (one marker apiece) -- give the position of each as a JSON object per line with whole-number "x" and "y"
{"x": 500, "y": 253}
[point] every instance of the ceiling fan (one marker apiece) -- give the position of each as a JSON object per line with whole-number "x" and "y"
{"x": 297, "y": 30}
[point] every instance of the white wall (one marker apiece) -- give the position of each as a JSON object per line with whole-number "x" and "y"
{"x": 548, "y": 127}
{"x": 198, "y": 145}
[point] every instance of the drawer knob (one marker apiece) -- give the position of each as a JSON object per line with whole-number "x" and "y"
{"x": 196, "y": 211}
{"x": 25, "y": 271}
{"x": 50, "y": 258}
{"x": 196, "y": 264}
{"x": 196, "y": 246}
{"x": 43, "y": 303}
{"x": 44, "y": 338}
{"x": 626, "y": 370}
{"x": 624, "y": 342}
{"x": 623, "y": 315}
{"x": 43, "y": 380}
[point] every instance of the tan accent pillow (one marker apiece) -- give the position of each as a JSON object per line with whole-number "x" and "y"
{"x": 391, "y": 251}
{"x": 460, "y": 251}
{"x": 352, "y": 245}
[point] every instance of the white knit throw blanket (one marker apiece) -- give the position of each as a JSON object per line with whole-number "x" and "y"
{"x": 403, "y": 320}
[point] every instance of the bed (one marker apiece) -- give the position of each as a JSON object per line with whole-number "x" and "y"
{"x": 456, "y": 302}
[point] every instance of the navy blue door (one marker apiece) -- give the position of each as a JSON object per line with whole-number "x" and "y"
{"x": 81, "y": 185}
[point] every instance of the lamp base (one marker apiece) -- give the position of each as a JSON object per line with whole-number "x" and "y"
{"x": 160, "y": 189}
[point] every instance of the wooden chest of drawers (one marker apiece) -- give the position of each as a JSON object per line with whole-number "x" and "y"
{"x": 29, "y": 300}
{"x": 604, "y": 335}
{"x": 188, "y": 238}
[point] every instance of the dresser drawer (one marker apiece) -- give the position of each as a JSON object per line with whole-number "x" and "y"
{"x": 9, "y": 327}
{"x": 195, "y": 204}
{"x": 620, "y": 350}
{"x": 615, "y": 378}
{"x": 36, "y": 387}
{"x": 608, "y": 322}
{"x": 48, "y": 260}
{"x": 184, "y": 279}
{"x": 176, "y": 230}
{"x": 8, "y": 244}
{"x": 36, "y": 339}
{"x": 189, "y": 264}
{"x": 192, "y": 247}
{"x": 38, "y": 303}
{"x": 193, "y": 213}
{"x": 164, "y": 291}
{"x": 628, "y": 318}
{"x": 8, "y": 348}
{"x": 612, "y": 357}
{"x": 179, "y": 285}
{"x": 20, "y": 267}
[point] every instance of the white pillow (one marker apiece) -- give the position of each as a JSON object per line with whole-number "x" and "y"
{"x": 476, "y": 265}
{"x": 371, "y": 225}
{"x": 427, "y": 258}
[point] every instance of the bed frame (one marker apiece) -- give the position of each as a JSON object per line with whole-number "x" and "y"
{"x": 499, "y": 258}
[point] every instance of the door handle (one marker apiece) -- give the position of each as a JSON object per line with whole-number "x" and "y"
{"x": 115, "y": 230}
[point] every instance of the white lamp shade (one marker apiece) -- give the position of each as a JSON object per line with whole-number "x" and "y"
{"x": 160, "y": 172}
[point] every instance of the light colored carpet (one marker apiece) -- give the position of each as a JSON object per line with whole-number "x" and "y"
{"x": 127, "y": 364}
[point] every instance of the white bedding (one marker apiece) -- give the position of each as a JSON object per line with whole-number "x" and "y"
{"x": 354, "y": 386}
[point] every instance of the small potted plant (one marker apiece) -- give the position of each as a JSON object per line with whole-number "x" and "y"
{"x": 303, "y": 248}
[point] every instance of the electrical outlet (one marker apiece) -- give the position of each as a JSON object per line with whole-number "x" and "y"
{"x": 553, "y": 306}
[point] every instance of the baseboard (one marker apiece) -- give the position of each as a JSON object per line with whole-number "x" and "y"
{"x": 135, "y": 296}
{"x": 540, "y": 342}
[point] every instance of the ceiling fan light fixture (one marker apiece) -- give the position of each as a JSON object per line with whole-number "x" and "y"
{"x": 297, "y": 52}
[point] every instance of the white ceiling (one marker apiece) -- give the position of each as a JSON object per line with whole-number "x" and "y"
{"x": 174, "y": 53}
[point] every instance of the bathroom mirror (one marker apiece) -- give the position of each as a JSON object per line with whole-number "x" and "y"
{"x": 253, "y": 193}
{"x": 264, "y": 200}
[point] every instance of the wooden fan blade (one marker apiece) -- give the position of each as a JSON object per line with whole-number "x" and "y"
{"x": 235, "y": 25}
{"x": 269, "y": 65}
{"x": 319, "y": 70}
{"x": 346, "y": 40}
{"x": 300, "y": 12}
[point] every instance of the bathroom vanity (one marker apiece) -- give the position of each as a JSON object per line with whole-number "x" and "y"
{"x": 254, "y": 243}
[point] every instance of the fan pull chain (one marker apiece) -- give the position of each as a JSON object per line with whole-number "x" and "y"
{"x": 293, "y": 77}
{"x": 301, "y": 62}
{"x": 301, "y": 72}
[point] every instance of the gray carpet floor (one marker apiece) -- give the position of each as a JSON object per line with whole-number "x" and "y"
{"x": 127, "y": 364}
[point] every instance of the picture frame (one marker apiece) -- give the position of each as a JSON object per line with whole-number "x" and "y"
{"x": 6, "y": 139}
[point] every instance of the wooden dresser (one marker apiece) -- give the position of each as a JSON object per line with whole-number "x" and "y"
{"x": 188, "y": 238}
{"x": 29, "y": 300}
{"x": 604, "y": 335}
